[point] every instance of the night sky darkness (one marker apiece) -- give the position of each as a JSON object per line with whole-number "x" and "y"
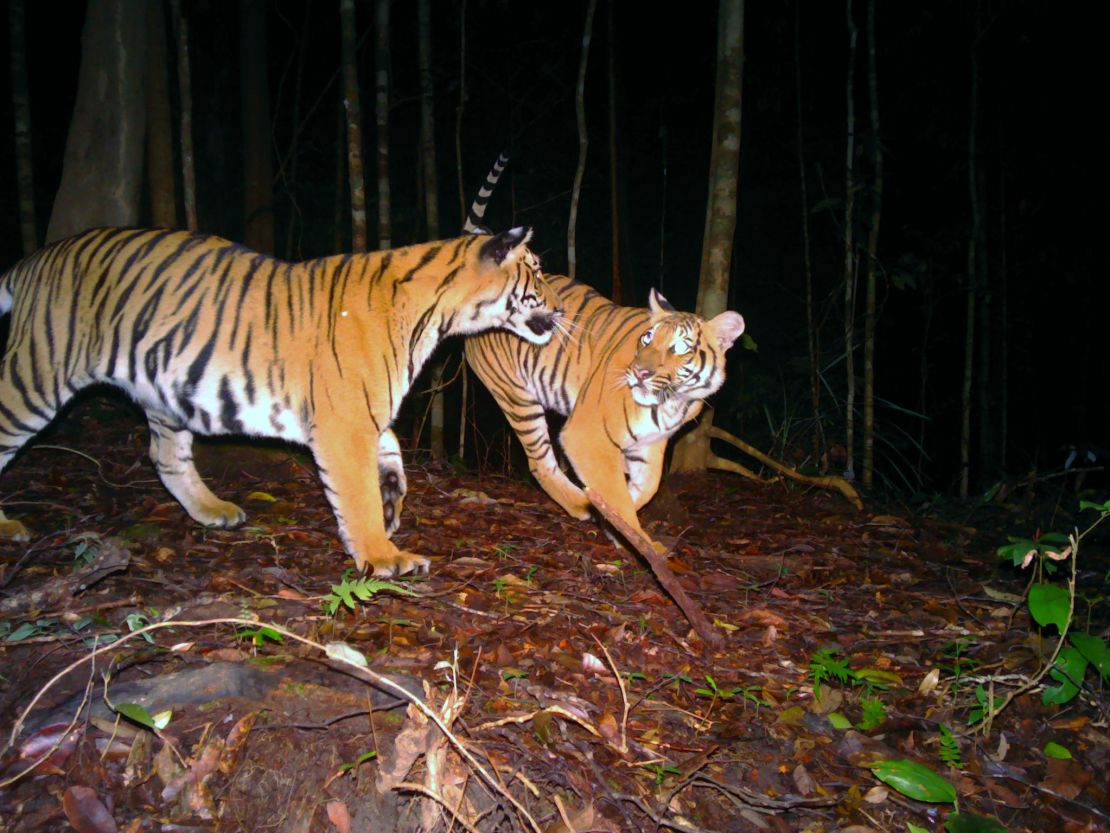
{"x": 1042, "y": 163}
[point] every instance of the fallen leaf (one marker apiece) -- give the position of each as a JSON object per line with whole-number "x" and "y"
{"x": 85, "y": 811}
{"x": 339, "y": 816}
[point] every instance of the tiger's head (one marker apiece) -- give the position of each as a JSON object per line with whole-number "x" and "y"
{"x": 680, "y": 355}
{"x": 522, "y": 303}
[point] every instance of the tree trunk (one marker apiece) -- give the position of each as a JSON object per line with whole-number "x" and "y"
{"x": 254, "y": 91}
{"x": 850, "y": 256}
{"x": 159, "y": 129}
{"x": 430, "y": 179}
{"x": 692, "y": 450}
{"x": 1003, "y": 312}
{"x": 354, "y": 126}
{"x": 185, "y": 88}
{"x": 724, "y": 163}
{"x": 583, "y": 139}
{"x": 813, "y": 347}
{"x": 294, "y": 228}
{"x": 102, "y": 166}
{"x": 972, "y": 261}
{"x": 616, "y": 290}
{"x": 381, "y": 86}
{"x": 21, "y": 107}
{"x": 872, "y": 257}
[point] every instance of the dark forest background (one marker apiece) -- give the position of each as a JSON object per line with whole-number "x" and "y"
{"x": 1039, "y": 158}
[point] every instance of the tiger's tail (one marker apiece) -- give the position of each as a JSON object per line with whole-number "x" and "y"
{"x": 477, "y": 212}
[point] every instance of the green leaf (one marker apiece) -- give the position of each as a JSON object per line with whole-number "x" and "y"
{"x": 1095, "y": 650}
{"x": 137, "y": 714}
{"x": 915, "y": 780}
{"x": 1068, "y": 672}
{"x": 361, "y": 759}
{"x": 27, "y": 629}
{"x": 913, "y": 828}
{"x": 879, "y": 677}
{"x": 839, "y": 721}
{"x": 1055, "y": 750}
{"x": 967, "y": 823}
{"x": 1100, "y": 507}
{"x": 1050, "y": 605}
{"x": 748, "y": 343}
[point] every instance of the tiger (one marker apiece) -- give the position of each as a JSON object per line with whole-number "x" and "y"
{"x": 209, "y": 337}
{"x": 625, "y": 378}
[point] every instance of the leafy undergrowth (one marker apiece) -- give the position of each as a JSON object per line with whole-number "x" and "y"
{"x": 560, "y": 689}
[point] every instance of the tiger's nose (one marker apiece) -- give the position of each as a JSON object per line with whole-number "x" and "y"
{"x": 641, "y": 373}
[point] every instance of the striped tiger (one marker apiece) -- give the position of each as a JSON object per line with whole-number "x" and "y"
{"x": 210, "y": 337}
{"x": 626, "y": 379}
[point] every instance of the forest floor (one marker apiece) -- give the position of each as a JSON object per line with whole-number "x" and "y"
{"x": 574, "y": 686}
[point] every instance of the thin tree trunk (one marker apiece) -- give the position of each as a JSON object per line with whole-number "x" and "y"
{"x": 850, "y": 255}
{"x": 102, "y": 167}
{"x": 381, "y": 85}
{"x": 583, "y": 139}
{"x": 293, "y": 227}
{"x": 431, "y": 198}
{"x": 807, "y": 257}
{"x": 923, "y": 404}
{"x": 340, "y": 244}
{"x": 159, "y": 132}
{"x": 972, "y": 260}
{"x": 614, "y": 202}
{"x": 692, "y": 453}
{"x": 185, "y": 91}
{"x": 1003, "y": 313}
{"x": 354, "y": 126}
{"x": 460, "y": 108}
{"x": 872, "y": 257}
{"x": 254, "y": 89}
{"x": 21, "y": 105}
{"x": 724, "y": 163}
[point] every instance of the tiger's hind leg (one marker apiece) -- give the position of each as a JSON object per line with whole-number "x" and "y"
{"x": 171, "y": 450}
{"x": 26, "y": 407}
{"x": 391, "y": 479}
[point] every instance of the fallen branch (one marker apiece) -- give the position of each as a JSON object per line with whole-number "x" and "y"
{"x": 692, "y": 454}
{"x": 663, "y": 573}
{"x": 111, "y": 557}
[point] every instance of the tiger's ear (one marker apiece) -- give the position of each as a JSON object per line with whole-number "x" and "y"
{"x": 658, "y": 304}
{"x": 506, "y": 247}
{"x": 726, "y": 328}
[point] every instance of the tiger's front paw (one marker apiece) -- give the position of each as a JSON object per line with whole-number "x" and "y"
{"x": 219, "y": 514}
{"x": 13, "y": 530}
{"x": 395, "y": 563}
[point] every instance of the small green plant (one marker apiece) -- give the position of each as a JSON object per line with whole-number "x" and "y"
{"x": 874, "y": 713}
{"x": 86, "y": 548}
{"x": 1053, "y": 605}
{"x": 920, "y": 783}
{"x": 259, "y": 635}
{"x": 351, "y": 591}
{"x": 504, "y": 550}
{"x": 361, "y": 759}
{"x": 949, "y": 748}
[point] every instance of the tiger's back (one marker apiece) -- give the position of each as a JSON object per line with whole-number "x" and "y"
{"x": 210, "y": 337}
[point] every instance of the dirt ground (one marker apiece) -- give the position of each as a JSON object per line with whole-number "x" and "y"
{"x": 575, "y": 694}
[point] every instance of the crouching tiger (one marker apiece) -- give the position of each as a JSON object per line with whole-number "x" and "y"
{"x": 212, "y": 338}
{"x": 626, "y": 378}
